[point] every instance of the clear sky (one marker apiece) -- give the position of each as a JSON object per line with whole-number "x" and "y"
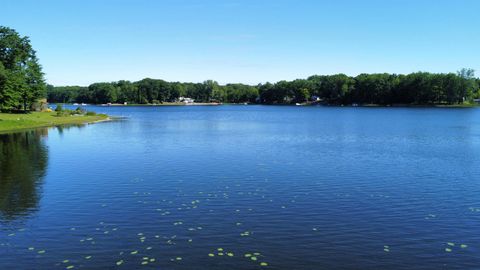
{"x": 249, "y": 41}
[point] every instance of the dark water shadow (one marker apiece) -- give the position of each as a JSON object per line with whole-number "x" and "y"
{"x": 23, "y": 163}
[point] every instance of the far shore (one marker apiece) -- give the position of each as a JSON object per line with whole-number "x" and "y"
{"x": 464, "y": 105}
{"x": 18, "y": 122}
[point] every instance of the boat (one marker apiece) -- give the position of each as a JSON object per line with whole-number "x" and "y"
{"x": 75, "y": 104}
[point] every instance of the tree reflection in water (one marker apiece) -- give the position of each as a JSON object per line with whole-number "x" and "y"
{"x": 23, "y": 162}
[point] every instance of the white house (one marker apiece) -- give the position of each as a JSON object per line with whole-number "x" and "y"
{"x": 186, "y": 100}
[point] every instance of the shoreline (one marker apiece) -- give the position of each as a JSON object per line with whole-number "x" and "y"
{"x": 11, "y": 123}
{"x": 280, "y": 104}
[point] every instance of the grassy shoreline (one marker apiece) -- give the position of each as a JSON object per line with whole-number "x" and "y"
{"x": 17, "y": 122}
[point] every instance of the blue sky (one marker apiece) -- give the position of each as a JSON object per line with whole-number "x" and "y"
{"x": 249, "y": 41}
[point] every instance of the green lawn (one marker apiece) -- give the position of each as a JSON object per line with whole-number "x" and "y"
{"x": 12, "y": 122}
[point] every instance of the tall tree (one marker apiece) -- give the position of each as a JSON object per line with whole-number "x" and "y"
{"x": 21, "y": 76}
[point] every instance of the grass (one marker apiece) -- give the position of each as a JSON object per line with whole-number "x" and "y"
{"x": 13, "y": 122}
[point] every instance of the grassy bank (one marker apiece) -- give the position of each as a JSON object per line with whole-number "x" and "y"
{"x": 13, "y": 122}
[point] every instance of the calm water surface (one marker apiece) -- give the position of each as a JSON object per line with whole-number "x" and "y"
{"x": 218, "y": 187}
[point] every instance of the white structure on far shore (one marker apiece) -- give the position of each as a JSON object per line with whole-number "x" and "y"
{"x": 186, "y": 100}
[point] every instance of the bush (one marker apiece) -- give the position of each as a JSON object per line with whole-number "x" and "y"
{"x": 59, "y": 108}
{"x": 79, "y": 110}
{"x": 91, "y": 113}
{"x": 65, "y": 112}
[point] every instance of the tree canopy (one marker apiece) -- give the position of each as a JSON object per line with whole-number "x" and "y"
{"x": 420, "y": 88}
{"x": 21, "y": 76}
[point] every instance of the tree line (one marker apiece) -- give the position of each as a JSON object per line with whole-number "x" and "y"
{"x": 152, "y": 91}
{"x": 21, "y": 77}
{"x": 420, "y": 88}
{"x": 22, "y": 85}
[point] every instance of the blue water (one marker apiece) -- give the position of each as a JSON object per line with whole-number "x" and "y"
{"x": 295, "y": 187}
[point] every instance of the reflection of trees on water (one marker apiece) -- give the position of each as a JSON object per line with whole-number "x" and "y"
{"x": 63, "y": 128}
{"x": 23, "y": 162}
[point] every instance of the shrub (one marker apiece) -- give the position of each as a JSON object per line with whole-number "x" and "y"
{"x": 79, "y": 110}
{"x": 59, "y": 108}
{"x": 91, "y": 113}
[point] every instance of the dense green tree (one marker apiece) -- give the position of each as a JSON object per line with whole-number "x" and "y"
{"x": 383, "y": 89}
{"x": 103, "y": 92}
{"x": 126, "y": 91}
{"x": 374, "y": 88}
{"x": 21, "y": 77}
{"x": 239, "y": 93}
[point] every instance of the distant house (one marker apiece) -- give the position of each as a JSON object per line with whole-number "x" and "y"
{"x": 477, "y": 100}
{"x": 186, "y": 100}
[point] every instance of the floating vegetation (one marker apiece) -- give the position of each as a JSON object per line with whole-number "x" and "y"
{"x": 70, "y": 267}
{"x": 386, "y": 248}
{"x": 463, "y": 246}
{"x": 247, "y": 233}
{"x": 120, "y": 262}
{"x": 263, "y": 264}
{"x": 448, "y": 249}
{"x": 451, "y": 244}
{"x": 41, "y": 251}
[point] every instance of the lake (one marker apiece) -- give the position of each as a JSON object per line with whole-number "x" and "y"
{"x": 245, "y": 187}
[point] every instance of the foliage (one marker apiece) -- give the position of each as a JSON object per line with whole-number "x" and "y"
{"x": 21, "y": 77}
{"x": 339, "y": 89}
